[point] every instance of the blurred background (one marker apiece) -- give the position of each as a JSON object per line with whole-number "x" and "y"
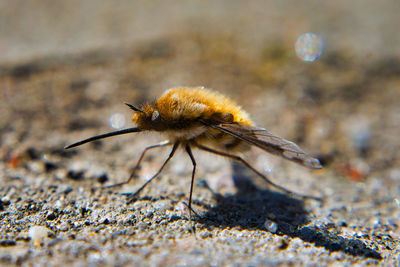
{"x": 41, "y": 28}
{"x": 70, "y": 65}
{"x": 325, "y": 74}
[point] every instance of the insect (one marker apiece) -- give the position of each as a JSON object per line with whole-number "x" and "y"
{"x": 205, "y": 119}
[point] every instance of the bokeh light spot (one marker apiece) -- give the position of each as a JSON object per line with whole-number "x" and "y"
{"x": 117, "y": 121}
{"x": 309, "y": 46}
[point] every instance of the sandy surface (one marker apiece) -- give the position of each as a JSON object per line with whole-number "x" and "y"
{"x": 343, "y": 109}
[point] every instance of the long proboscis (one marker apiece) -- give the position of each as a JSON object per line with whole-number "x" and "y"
{"x": 101, "y": 136}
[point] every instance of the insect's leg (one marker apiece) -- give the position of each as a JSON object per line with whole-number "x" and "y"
{"x": 189, "y": 151}
{"x": 162, "y": 144}
{"x": 195, "y": 213}
{"x": 245, "y": 163}
{"x": 133, "y": 196}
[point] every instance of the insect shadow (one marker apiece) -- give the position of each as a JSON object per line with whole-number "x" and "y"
{"x": 251, "y": 207}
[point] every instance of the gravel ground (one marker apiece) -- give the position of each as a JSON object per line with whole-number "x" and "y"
{"x": 342, "y": 108}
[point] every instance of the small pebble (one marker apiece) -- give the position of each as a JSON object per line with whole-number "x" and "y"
{"x": 7, "y": 243}
{"x": 105, "y": 221}
{"x": 205, "y": 234}
{"x": 63, "y": 227}
{"x": 32, "y": 153}
{"x": 102, "y": 178}
{"x": 75, "y": 175}
{"x": 37, "y": 234}
{"x": 271, "y": 226}
{"x": 49, "y": 166}
{"x": 51, "y": 215}
{"x": 58, "y": 204}
{"x": 162, "y": 205}
{"x": 68, "y": 190}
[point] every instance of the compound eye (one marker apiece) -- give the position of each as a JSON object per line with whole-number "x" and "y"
{"x": 155, "y": 116}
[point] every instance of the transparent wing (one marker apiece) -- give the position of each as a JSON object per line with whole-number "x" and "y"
{"x": 271, "y": 143}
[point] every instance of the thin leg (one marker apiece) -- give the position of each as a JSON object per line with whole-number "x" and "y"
{"x": 133, "y": 196}
{"x": 189, "y": 151}
{"x": 167, "y": 143}
{"x": 245, "y": 163}
{"x": 195, "y": 213}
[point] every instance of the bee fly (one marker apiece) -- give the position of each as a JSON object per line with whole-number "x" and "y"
{"x": 207, "y": 120}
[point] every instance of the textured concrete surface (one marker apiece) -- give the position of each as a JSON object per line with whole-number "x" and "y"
{"x": 342, "y": 108}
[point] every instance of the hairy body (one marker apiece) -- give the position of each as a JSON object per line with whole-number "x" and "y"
{"x": 180, "y": 113}
{"x": 207, "y": 120}
{"x": 198, "y": 115}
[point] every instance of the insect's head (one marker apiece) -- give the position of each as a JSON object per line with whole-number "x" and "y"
{"x": 147, "y": 118}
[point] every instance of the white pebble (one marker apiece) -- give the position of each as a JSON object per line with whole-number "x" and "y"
{"x": 38, "y": 233}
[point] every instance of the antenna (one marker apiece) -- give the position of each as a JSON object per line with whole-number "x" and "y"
{"x": 134, "y": 108}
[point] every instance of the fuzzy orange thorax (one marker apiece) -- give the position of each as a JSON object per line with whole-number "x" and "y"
{"x": 180, "y": 105}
